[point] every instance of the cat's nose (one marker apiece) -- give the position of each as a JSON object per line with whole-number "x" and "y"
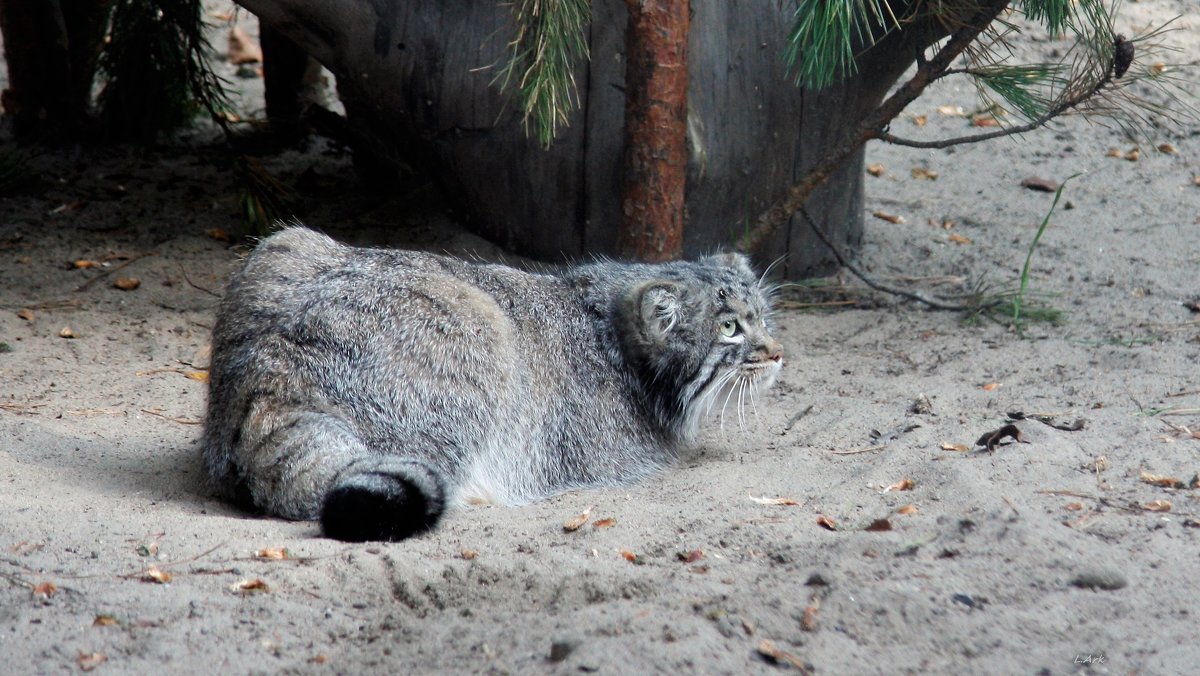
{"x": 771, "y": 350}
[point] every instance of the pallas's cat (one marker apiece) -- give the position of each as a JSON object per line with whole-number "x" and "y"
{"x": 372, "y": 388}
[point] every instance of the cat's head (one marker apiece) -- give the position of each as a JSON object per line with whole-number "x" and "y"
{"x": 700, "y": 335}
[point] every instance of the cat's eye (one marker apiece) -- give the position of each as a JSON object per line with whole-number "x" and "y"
{"x": 729, "y": 328}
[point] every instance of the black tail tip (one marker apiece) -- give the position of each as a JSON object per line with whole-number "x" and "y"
{"x": 378, "y": 507}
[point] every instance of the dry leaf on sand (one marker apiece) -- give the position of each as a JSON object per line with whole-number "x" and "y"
{"x": 574, "y": 523}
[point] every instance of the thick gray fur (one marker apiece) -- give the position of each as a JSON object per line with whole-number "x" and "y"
{"x": 340, "y": 367}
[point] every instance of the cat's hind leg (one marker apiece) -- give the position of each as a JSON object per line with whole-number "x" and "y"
{"x": 311, "y": 464}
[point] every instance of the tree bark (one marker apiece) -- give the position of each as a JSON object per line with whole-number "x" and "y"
{"x": 656, "y": 156}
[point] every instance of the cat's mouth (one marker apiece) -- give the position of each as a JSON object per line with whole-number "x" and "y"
{"x": 762, "y": 369}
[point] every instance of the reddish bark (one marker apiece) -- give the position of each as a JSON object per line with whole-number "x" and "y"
{"x": 655, "y": 162}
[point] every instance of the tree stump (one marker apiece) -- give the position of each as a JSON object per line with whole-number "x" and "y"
{"x": 419, "y": 77}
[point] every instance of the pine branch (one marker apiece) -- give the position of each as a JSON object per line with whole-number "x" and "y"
{"x": 936, "y": 303}
{"x": 550, "y": 41}
{"x": 873, "y": 124}
{"x": 1069, "y": 101}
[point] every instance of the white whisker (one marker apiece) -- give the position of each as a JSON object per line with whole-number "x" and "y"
{"x": 727, "y": 397}
{"x": 753, "y": 404}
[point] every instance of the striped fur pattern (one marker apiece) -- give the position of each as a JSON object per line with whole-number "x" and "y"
{"x": 373, "y": 389}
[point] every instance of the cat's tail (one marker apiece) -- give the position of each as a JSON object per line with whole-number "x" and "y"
{"x": 301, "y": 464}
{"x": 383, "y": 498}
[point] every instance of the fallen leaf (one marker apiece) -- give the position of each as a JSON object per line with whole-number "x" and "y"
{"x": 1133, "y": 155}
{"x": 248, "y": 587}
{"x": 218, "y": 234}
{"x": 901, "y": 485}
{"x": 924, "y": 174}
{"x": 952, "y": 111}
{"x": 920, "y": 120}
{"x": 127, "y": 283}
{"x": 1115, "y": 152}
{"x": 990, "y": 387}
{"x": 958, "y": 239}
{"x": 1158, "y": 506}
{"x": 66, "y": 332}
{"x": 271, "y": 554}
{"x": 242, "y": 48}
{"x": 201, "y": 376}
{"x": 26, "y": 314}
{"x": 774, "y": 501}
{"x": 1168, "y": 149}
{"x": 826, "y": 522}
{"x": 984, "y": 120}
{"x": 768, "y": 649}
{"x": 468, "y": 554}
{"x": 890, "y": 218}
{"x": 604, "y": 523}
{"x": 1039, "y": 184}
{"x": 45, "y": 590}
{"x": 993, "y": 439}
{"x": 574, "y": 523}
{"x": 808, "y": 622}
{"x": 105, "y": 620}
{"x": 1158, "y": 67}
{"x": 879, "y": 525}
{"x": 907, "y": 509}
{"x": 1073, "y": 506}
{"x": 632, "y": 558}
{"x": 87, "y": 662}
{"x": 875, "y": 169}
{"x": 690, "y": 557}
{"x": 154, "y": 574}
{"x": 84, "y": 264}
{"x": 1162, "y": 480}
{"x": 961, "y": 448}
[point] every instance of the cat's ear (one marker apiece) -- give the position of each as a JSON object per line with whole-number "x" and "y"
{"x": 736, "y": 261}
{"x": 659, "y": 305}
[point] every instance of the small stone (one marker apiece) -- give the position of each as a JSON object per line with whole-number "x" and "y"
{"x": 561, "y": 649}
{"x": 816, "y": 580}
{"x": 1099, "y": 578}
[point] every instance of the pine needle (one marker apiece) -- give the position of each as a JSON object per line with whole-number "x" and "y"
{"x": 550, "y": 41}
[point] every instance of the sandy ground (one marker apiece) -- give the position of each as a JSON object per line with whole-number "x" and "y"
{"x": 1047, "y": 556}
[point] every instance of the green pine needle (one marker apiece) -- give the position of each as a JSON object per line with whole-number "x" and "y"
{"x": 1024, "y": 88}
{"x": 821, "y": 45}
{"x": 550, "y": 41}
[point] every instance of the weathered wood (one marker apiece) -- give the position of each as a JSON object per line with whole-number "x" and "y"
{"x": 418, "y": 77}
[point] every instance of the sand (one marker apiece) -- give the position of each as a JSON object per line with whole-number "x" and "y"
{"x": 1050, "y": 556}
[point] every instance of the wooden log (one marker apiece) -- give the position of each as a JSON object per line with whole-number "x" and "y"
{"x": 655, "y": 158}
